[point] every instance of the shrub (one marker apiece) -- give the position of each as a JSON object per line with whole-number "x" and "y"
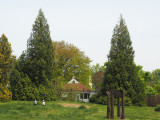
{"x": 157, "y": 108}
{"x": 93, "y": 99}
{"x": 128, "y": 101}
{"x": 102, "y": 100}
{"x": 70, "y": 97}
{"x": 5, "y": 94}
{"x": 153, "y": 101}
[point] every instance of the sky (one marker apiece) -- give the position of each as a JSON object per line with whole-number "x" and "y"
{"x": 87, "y": 24}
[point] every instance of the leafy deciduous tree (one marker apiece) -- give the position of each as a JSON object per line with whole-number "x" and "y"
{"x": 70, "y": 61}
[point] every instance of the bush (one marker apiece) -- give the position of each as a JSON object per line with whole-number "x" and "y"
{"x": 128, "y": 101}
{"x": 153, "y": 101}
{"x": 70, "y": 97}
{"x": 5, "y": 94}
{"x": 102, "y": 100}
{"x": 157, "y": 108}
{"x": 93, "y": 99}
{"x": 24, "y": 89}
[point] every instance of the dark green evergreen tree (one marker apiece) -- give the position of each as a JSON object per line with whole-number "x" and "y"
{"x": 121, "y": 72}
{"x": 39, "y": 55}
{"x": 34, "y": 69}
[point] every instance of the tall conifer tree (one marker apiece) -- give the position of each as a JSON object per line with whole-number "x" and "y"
{"x": 6, "y": 65}
{"x": 34, "y": 69}
{"x": 6, "y": 59}
{"x": 39, "y": 54}
{"x": 120, "y": 70}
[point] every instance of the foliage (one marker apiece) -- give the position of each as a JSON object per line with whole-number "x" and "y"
{"x": 156, "y": 76}
{"x": 34, "y": 70}
{"x": 70, "y": 97}
{"x": 152, "y": 87}
{"x": 39, "y": 54}
{"x": 70, "y": 61}
{"x": 97, "y": 76}
{"x": 93, "y": 99}
{"x": 147, "y": 77}
{"x": 97, "y": 68}
{"x": 97, "y": 79}
{"x": 157, "y": 108}
{"x": 24, "y": 89}
{"x": 5, "y": 94}
{"x": 6, "y": 58}
{"x": 21, "y": 86}
{"x": 6, "y": 65}
{"x": 103, "y": 100}
{"x": 127, "y": 101}
{"x": 157, "y": 87}
{"x": 150, "y": 91}
{"x": 155, "y": 83}
{"x": 46, "y": 93}
{"x": 121, "y": 72}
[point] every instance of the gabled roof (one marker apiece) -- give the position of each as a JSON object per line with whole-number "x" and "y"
{"x": 75, "y": 87}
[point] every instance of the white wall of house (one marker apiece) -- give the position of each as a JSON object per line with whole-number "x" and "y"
{"x": 84, "y": 97}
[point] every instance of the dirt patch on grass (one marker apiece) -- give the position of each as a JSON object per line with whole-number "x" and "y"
{"x": 72, "y": 105}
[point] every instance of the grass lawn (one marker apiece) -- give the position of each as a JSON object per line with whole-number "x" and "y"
{"x": 61, "y": 110}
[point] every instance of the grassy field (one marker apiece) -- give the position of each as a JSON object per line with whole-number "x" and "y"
{"x": 60, "y": 110}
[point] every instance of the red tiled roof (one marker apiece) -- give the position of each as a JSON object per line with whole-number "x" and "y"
{"x": 75, "y": 87}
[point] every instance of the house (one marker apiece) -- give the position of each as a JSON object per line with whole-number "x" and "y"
{"x": 79, "y": 91}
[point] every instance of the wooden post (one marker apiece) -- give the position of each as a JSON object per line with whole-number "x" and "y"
{"x": 112, "y": 104}
{"x": 83, "y": 95}
{"x": 118, "y": 104}
{"x": 123, "y": 115}
{"x": 108, "y": 104}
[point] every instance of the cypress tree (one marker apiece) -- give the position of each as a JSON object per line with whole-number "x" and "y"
{"x": 34, "y": 69}
{"x": 39, "y": 54}
{"x": 120, "y": 70}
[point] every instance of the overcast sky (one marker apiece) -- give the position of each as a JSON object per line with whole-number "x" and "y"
{"x": 88, "y": 24}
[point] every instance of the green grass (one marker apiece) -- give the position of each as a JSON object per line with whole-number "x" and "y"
{"x": 25, "y": 110}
